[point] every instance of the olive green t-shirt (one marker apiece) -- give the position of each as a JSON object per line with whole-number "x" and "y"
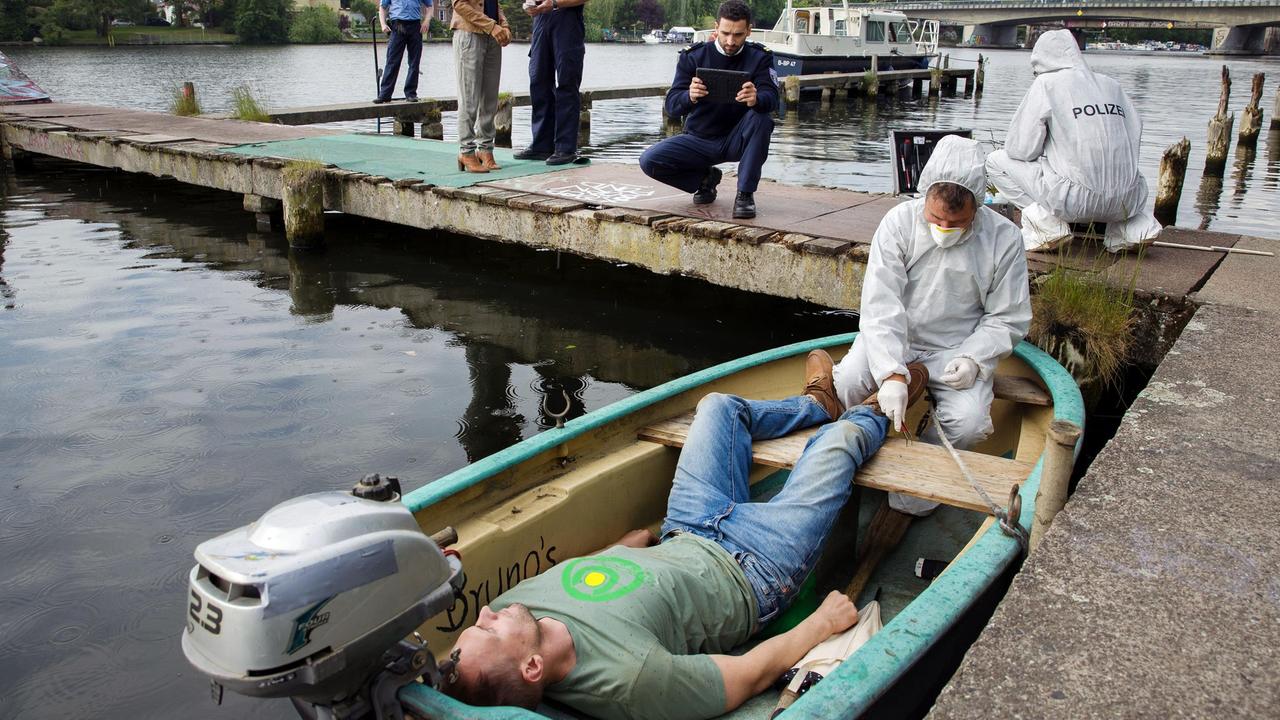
{"x": 640, "y": 620}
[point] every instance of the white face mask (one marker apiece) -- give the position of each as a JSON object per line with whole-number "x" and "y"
{"x": 946, "y": 237}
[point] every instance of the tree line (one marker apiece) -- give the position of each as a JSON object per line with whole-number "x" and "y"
{"x": 276, "y": 21}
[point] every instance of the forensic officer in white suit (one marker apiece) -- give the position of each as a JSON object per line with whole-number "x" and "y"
{"x": 946, "y": 286}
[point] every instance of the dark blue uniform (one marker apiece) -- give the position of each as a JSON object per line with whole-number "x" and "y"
{"x": 555, "y": 72}
{"x": 716, "y": 132}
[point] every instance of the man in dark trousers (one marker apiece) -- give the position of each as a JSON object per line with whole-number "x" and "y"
{"x": 555, "y": 72}
{"x": 404, "y": 22}
{"x": 716, "y": 132}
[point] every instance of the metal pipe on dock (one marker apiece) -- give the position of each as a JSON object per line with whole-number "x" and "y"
{"x": 1216, "y": 148}
{"x": 1173, "y": 170}
{"x": 1251, "y": 117}
{"x": 1055, "y": 475}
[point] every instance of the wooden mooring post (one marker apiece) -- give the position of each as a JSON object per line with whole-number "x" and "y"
{"x": 502, "y": 121}
{"x": 1275, "y": 111}
{"x": 1173, "y": 170}
{"x": 791, "y": 90}
{"x": 303, "y": 192}
{"x": 1251, "y": 117}
{"x": 1215, "y": 160}
{"x": 979, "y": 76}
{"x": 1055, "y": 475}
{"x": 432, "y": 127}
{"x": 584, "y": 123}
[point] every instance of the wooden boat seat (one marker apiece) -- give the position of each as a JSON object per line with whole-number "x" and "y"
{"x": 1021, "y": 390}
{"x": 918, "y": 469}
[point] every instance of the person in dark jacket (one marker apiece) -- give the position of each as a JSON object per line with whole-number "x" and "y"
{"x": 717, "y": 132}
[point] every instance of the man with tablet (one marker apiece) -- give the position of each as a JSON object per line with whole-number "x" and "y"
{"x": 726, "y": 91}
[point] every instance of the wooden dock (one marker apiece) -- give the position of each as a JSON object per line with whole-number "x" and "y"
{"x": 425, "y": 112}
{"x": 807, "y": 243}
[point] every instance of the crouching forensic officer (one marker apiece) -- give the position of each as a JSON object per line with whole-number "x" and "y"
{"x": 717, "y": 132}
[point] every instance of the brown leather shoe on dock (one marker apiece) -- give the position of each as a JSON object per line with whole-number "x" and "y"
{"x": 470, "y": 163}
{"x": 917, "y": 381}
{"x": 818, "y": 382}
{"x": 486, "y": 159}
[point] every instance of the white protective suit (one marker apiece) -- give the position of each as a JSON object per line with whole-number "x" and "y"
{"x": 1072, "y": 152}
{"x": 922, "y": 302}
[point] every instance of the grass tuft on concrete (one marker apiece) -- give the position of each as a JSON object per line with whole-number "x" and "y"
{"x": 244, "y": 106}
{"x": 303, "y": 171}
{"x": 184, "y": 104}
{"x": 1084, "y": 323}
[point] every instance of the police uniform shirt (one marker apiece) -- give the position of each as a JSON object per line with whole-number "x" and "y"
{"x": 716, "y": 119}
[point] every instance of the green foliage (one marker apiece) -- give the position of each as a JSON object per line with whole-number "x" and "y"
{"x": 313, "y": 25}
{"x": 263, "y": 22}
{"x": 439, "y": 29}
{"x": 1084, "y": 322}
{"x": 72, "y": 15}
{"x": 594, "y": 33}
{"x": 367, "y": 8}
{"x": 17, "y": 17}
{"x": 51, "y": 33}
{"x": 244, "y": 106}
{"x": 183, "y": 104}
{"x": 519, "y": 21}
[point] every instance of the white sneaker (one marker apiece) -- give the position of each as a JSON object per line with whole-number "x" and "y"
{"x": 1042, "y": 230}
{"x": 1141, "y": 229}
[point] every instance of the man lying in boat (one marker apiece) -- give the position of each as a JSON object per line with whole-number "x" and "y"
{"x": 642, "y": 629}
{"x": 946, "y": 286}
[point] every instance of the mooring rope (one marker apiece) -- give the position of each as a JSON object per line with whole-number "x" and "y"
{"x": 1008, "y": 517}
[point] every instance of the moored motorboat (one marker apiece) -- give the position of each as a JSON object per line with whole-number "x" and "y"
{"x": 571, "y": 490}
{"x": 844, "y": 39}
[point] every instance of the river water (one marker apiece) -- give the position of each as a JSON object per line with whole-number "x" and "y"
{"x": 169, "y": 373}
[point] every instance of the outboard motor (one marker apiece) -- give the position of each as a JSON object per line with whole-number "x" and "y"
{"x": 314, "y": 601}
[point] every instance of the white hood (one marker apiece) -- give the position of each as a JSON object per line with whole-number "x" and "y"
{"x": 957, "y": 160}
{"x": 1056, "y": 50}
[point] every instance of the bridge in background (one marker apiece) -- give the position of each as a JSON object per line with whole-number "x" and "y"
{"x": 1241, "y": 27}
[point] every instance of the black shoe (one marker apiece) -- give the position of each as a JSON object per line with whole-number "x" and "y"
{"x": 559, "y": 158}
{"x": 380, "y": 100}
{"x": 411, "y": 98}
{"x": 744, "y": 206}
{"x": 531, "y": 154}
{"x": 707, "y": 191}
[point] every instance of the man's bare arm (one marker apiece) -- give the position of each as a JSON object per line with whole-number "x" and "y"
{"x": 748, "y": 675}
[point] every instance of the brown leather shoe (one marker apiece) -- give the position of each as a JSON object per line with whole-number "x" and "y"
{"x": 486, "y": 159}
{"x": 819, "y": 385}
{"x": 470, "y": 163}
{"x": 917, "y": 381}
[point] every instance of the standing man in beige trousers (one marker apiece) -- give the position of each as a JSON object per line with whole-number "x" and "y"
{"x": 480, "y": 31}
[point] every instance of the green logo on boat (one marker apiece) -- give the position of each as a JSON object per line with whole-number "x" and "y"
{"x": 601, "y": 579}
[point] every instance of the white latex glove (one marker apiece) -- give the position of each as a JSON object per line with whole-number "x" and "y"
{"x": 960, "y": 373}
{"x": 893, "y": 402}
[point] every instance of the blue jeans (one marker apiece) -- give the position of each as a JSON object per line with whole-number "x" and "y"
{"x": 776, "y": 542}
{"x": 405, "y": 35}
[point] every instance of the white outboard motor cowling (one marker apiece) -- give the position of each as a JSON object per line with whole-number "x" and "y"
{"x": 314, "y": 600}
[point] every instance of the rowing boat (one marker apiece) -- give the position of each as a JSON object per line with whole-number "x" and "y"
{"x": 573, "y": 489}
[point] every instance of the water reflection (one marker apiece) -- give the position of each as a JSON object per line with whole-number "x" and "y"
{"x": 1240, "y": 173}
{"x": 1272, "y": 178}
{"x": 1207, "y": 199}
{"x": 171, "y": 372}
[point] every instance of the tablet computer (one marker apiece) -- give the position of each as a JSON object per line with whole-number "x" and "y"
{"x": 722, "y": 85}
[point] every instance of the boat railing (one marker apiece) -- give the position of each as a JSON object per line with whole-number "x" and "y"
{"x": 925, "y": 35}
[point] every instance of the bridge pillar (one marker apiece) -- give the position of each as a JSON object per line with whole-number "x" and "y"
{"x": 1245, "y": 40}
{"x": 989, "y": 35}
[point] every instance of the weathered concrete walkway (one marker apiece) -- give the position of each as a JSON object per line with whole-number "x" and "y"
{"x": 1156, "y": 592}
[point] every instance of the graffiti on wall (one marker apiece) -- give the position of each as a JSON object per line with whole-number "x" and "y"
{"x": 16, "y": 87}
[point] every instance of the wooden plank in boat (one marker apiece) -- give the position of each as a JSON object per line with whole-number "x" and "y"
{"x": 918, "y": 469}
{"x": 1021, "y": 390}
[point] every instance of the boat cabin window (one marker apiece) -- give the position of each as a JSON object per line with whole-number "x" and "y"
{"x": 802, "y": 21}
{"x": 875, "y": 31}
{"x": 842, "y": 29}
{"x": 817, "y": 24}
{"x": 899, "y": 32}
